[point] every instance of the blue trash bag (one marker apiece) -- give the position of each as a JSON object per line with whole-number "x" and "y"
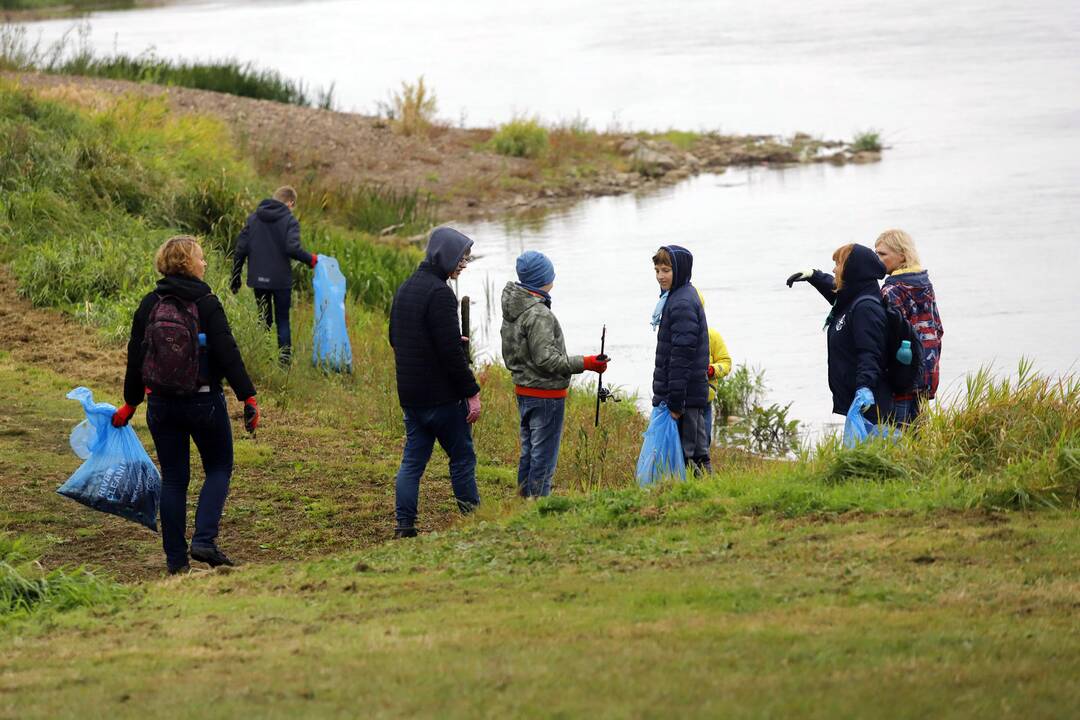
{"x": 661, "y": 453}
{"x": 117, "y": 476}
{"x": 857, "y": 429}
{"x": 330, "y": 348}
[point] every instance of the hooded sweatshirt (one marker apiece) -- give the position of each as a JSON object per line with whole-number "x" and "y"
{"x": 223, "y": 356}
{"x": 857, "y": 336}
{"x": 910, "y": 292}
{"x": 270, "y": 238}
{"x": 430, "y": 361}
{"x": 682, "y": 341}
{"x": 532, "y": 344}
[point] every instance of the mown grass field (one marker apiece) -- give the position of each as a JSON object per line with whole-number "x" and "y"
{"x": 936, "y": 577}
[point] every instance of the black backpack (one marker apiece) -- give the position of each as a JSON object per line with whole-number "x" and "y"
{"x": 903, "y": 379}
{"x": 171, "y": 347}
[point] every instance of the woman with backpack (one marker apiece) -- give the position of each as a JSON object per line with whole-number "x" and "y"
{"x": 857, "y": 331}
{"x": 180, "y": 349}
{"x": 908, "y": 289}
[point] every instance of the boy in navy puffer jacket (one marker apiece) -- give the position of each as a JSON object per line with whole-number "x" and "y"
{"x": 682, "y": 353}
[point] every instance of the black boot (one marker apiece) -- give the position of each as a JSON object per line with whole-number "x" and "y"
{"x": 212, "y": 556}
{"x": 404, "y": 533}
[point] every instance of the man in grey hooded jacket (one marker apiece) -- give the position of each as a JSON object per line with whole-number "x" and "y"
{"x": 439, "y": 396}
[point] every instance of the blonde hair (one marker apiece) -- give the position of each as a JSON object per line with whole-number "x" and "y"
{"x": 177, "y": 256}
{"x": 285, "y": 194}
{"x": 662, "y": 257}
{"x": 840, "y": 257}
{"x": 900, "y": 243}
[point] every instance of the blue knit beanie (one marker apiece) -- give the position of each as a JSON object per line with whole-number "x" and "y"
{"x": 534, "y": 270}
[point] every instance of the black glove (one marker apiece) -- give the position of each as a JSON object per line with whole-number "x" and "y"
{"x": 235, "y": 286}
{"x": 801, "y": 276}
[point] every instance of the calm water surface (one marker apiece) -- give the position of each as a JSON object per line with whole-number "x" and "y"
{"x": 980, "y": 102}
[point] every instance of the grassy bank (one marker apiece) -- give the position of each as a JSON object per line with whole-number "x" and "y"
{"x": 75, "y": 56}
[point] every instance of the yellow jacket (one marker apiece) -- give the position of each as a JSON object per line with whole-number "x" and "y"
{"x": 719, "y": 360}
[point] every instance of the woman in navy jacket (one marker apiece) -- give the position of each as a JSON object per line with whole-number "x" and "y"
{"x": 857, "y": 331}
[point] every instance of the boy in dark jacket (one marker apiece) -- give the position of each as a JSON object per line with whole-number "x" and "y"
{"x": 680, "y": 376}
{"x": 269, "y": 240}
{"x": 437, "y": 391}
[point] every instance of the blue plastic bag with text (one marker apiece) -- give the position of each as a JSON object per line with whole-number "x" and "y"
{"x": 661, "y": 453}
{"x": 117, "y": 476}
{"x": 331, "y": 349}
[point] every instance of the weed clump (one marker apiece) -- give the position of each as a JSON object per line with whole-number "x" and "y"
{"x": 869, "y": 141}
{"x": 521, "y": 137}
{"x": 26, "y": 588}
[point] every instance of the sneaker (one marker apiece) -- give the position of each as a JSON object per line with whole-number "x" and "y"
{"x": 404, "y": 533}
{"x": 180, "y": 570}
{"x": 211, "y": 556}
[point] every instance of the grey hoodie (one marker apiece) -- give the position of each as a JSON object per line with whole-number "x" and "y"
{"x": 532, "y": 342}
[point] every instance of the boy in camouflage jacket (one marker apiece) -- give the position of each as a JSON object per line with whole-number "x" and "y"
{"x": 535, "y": 353}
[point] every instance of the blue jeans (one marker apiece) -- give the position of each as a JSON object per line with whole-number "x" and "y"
{"x": 173, "y": 423}
{"x": 423, "y": 426}
{"x": 274, "y": 305}
{"x": 541, "y": 431}
{"x": 907, "y": 411}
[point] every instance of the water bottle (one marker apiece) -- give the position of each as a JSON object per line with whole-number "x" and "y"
{"x": 903, "y": 353}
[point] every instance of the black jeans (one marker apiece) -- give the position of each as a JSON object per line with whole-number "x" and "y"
{"x": 274, "y": 305}
{"x": 173, "y": 423}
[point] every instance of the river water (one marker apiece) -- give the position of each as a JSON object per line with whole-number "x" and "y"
{"x": 979, "y": 102}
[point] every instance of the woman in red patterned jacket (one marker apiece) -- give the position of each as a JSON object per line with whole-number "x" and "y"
{"x": 907, "y": 288}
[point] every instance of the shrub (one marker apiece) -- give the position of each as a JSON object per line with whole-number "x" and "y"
{"x": 412, "y": 111}
{"x": 521, "y": 138}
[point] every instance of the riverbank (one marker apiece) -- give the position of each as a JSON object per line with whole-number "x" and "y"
{"x": 15, "y": 11}
{"x": 466, "y": 178}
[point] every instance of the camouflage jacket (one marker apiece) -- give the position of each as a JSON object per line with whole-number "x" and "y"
{"x": 532, "y": 342}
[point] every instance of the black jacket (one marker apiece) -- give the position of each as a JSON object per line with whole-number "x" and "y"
{"x": 271, "y": 236}
{"x": 425, "y": 332}
{"x": 222, "y": 353}
{"x": 682, "y": 342}
{"x": 857, "y": 337}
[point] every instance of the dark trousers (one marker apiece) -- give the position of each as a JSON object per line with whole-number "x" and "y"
{"x": 173, "y": 423}
{"x": 423, "y": 426}
{"x": 541, "y": 431}
{"x": 694, "y": 435}
{"x": 274, "y": 305}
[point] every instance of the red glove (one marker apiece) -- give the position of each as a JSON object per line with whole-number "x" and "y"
{"x": 596, "y": 363}
{"x": 122, "y": 416}
{"x": 251, "y": 414}
{"x": 314, "y": 260}
{"x": 711, "y": 372}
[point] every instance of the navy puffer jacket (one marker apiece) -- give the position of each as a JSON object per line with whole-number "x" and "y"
{"x": 682, "y": 342}
{"x": 425, "y": 331}
{"x": 857, "y": 335}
